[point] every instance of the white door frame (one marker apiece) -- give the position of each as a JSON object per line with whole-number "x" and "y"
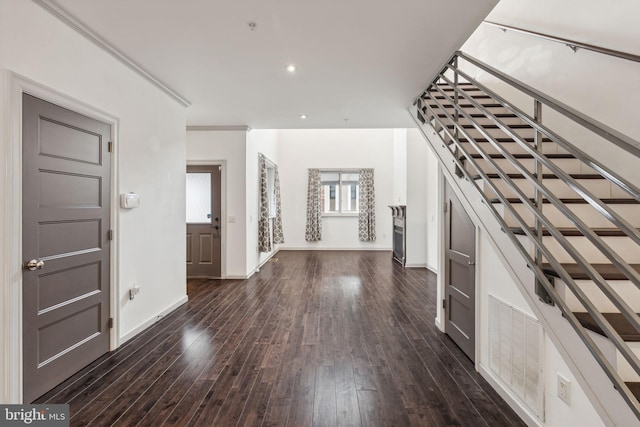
{"x": 11, "y": 222}
{"x": 223, "y": 208}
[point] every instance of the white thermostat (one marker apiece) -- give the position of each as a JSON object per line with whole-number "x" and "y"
{"x": 129, "y": 200}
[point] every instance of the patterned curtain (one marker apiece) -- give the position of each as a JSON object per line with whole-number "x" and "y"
{"x": 367, "y": 216}
{"x": 314, "y": 220}
{"x": 278, "y": 236}
{"x": 264, "y": 232}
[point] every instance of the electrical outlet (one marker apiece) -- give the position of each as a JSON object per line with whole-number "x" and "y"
{"x": 564, "y": 389}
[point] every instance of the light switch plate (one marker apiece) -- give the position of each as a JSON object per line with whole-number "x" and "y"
{"x": 564, "y": 389}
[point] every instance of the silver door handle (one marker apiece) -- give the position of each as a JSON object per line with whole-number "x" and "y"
{"x": 471, "y": 263}
{"x": 34, "y": 264}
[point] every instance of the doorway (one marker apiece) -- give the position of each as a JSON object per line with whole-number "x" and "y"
{"x": 460, "y": 256}
{"x": 204, "y": 221}
{"x": 66, "y": 177}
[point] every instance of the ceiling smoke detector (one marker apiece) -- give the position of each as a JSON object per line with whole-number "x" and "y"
{"x": 252, "y": 26}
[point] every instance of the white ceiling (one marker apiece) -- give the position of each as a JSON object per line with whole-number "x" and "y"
{"x": 360, "y": 63}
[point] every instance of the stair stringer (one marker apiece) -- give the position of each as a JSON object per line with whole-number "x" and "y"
{"x": 593, "y": 380}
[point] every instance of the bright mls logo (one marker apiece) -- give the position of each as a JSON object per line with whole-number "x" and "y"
{"x": 34, "y": 415}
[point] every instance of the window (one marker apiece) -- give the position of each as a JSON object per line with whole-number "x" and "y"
{"x": 340, "y": 192}
{"x": 198, "y": 198}
{"x": 271, "y": 189}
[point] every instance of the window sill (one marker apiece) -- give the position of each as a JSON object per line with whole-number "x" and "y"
{"x": 348, "y": 215}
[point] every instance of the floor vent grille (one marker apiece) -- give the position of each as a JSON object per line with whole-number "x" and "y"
{"x": 515, "y": 353}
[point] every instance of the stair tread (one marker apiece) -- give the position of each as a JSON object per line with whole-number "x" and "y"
{"x": 486, "y": 105}
{"x": 504, "y": 140}
{"x": 525, "y": 156}
{"x": 614, "y": 201}
{"x": 447, "y": 85}
{"x": 635, "y": 389}
{"x": 607, "y": 271}
{"x": 480, "y": 115}
{"x": 571, "y": 231}
{"x": 544, "y": 176}
{"x": 515, "y": 126}
{"x": 626, "y": 331}
{"x": 481, "y": 96}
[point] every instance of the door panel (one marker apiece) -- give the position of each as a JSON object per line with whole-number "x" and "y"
{"x": 460, "y": 237}
{"x": 66, "y": 219}
{"x": 86, "y": 191}
{"x": 204, "y": 221}
{"x": 206, "y": 248}
{"x": 66, "y": 142}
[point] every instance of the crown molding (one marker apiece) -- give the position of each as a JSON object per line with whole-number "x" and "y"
{"x": 206, "y": 128}
{"x": 72, "y": 22}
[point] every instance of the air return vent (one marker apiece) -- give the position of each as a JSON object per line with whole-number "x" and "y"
{"x": 515, "y": 354}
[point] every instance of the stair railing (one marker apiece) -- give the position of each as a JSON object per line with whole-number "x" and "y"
{"x": 572, "y": 44}
{"x": 429, "y": 108}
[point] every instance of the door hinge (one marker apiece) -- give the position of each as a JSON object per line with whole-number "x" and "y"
{"x": 110, "y": 323}
{"x": 110, "y": 146}
{"x": 444, "y": 304}
{"x": 110, "y": 234}
{"x": 445, "y": 207}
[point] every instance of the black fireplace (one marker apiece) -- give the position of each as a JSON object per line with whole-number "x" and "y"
{"x": 399, "y": 233}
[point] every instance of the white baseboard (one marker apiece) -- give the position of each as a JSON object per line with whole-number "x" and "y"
{"x": 266, "y": 260}
{"x": 432, "y": 269}
{"x": 132, "y": 333}
{"x": 314, "y": 248}
{"x": 237, "y": 277}
{"x": 415, "y": 265}
{"x": 512, "y": 401}
{"x": 438, "y": 324}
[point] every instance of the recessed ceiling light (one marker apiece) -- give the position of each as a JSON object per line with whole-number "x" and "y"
{"x": 303, "y": 116}
{"x": 291, "y": 68}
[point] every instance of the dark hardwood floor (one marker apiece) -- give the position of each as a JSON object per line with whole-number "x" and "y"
{"x": 314, "y": 339}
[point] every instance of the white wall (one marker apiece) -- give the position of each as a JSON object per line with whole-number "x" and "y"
{"x": 294, "y": 151}
{"x": 263, "y": 141}
{"x": 238, "y": 150}
{"x": 433, "y": 210}
{"x": 494, "y": 279}
{"x": 230, "y": 147}
{"x": 416, "y": 184}
{"x": 151, "y": 153}
{"x": 346, "y": 148}
{"x": 399, "y": 167}
{"x": 601, "y": 86}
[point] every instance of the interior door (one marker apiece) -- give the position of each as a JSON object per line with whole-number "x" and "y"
{"x": 203, "y": 221}
{"x": 460, "y": 256}
{"x": 66, "y": 247}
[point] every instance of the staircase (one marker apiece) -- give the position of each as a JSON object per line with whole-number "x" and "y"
{"x": 574, "y": 220}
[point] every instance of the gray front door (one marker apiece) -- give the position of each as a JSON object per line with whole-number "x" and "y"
{"x": 203, "y": 221}
{"x": 65, "y": 241}
{"x": 460, "y": 257}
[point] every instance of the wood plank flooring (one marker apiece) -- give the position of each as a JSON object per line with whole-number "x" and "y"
{"x": 313, "y": 339}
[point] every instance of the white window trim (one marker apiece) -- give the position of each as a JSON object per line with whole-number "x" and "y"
{"x": 271, "y": 188}
{"x": 339, "y": 190}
